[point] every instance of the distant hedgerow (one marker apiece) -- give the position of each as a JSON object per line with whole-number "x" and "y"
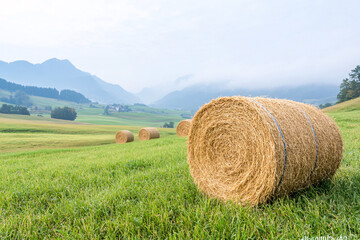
{"x": 9, "y": 109}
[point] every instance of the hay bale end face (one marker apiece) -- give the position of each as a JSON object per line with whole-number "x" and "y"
{"x": 148, "y": 133}
{"x": 124, "y": 136}
{"x": 183, "y": 128}
{"x": 249, "y": 150}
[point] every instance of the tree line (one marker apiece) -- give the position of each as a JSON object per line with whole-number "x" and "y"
{"x": 9, "y": 109}
{"x": 65, "y": 113}
{"x": 68, "y": 95}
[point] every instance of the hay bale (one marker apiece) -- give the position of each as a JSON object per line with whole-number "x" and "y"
{"x": 124, "y": 136}
{"x": 148, "y": 133}
{"x": 249, "y": 150}
{"x": 183, "y": 128}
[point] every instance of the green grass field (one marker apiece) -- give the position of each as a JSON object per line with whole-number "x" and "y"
{"x": 130, "y": 118}
{"x": 19, "y": 133}
{"x": 351, "y": 105}
{"x": 144, "y": 189}
{"x": 139, "y": 116}
{"x": 147, "y": 116}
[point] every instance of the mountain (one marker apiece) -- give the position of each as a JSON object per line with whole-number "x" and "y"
{"x": 62, "y": 74}
{"x": 154, "y": 93}
{"x": 192, "y": 98}
{"x": 149, "y": 95}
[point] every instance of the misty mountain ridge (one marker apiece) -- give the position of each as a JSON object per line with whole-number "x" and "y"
{"x": 193, "y": 97}
{"x": 177, "y": 94}
{"x": 149, "y": 95}
{"x": 62, "y": 74}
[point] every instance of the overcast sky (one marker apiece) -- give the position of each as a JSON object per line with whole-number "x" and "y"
{"x": 139, "y": 43}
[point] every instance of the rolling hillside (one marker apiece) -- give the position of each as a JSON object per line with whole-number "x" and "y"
{"x": 350, "y": 105}
{"x": 42, "y": 102}
{"x": 139, "y": 115}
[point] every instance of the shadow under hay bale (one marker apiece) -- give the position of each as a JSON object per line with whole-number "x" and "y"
{"x": 148, "y": 133}
{"x": 249, "y": 150}
{"x": 183, "y": 128}
{"x": 124, "y": 136}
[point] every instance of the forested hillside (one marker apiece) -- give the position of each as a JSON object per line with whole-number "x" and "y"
{"x": 66, "y": 94}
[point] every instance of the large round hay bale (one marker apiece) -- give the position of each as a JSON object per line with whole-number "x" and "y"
{"x": 183, "y": 128}
{"x": 249, "y": 150}
{"x": 148, "y": 133}
{"x": 124, "y": 136}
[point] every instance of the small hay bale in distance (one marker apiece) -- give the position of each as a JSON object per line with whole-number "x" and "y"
{"x": 148, "y": 133}
{"x": 183, "y": 128}
{"x": 249, "y": 150}
{"x": 124, "y": 136}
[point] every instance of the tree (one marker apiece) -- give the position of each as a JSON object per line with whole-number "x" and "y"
{"x": 21, "y": 110}
{"x": 65, "y": 113}
{"x": 169, "y": 125}
{"x": 9, "y": 109}
{"x": 5, "y": 109}
{"x": 350, "y": 87}
{"x": 325, "y": 105}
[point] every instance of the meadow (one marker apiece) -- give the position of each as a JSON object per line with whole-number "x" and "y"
{"x": 144, "y": 189}
{"x": 139, "y": 114}
{"x": 19, "y": 133}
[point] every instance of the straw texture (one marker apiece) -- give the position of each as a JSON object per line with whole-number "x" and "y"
{"x": 249, "y": 150}
{"x": 124, "y": 136}
{"x": 148, "y": 133}
{"x": 183, "y": 128}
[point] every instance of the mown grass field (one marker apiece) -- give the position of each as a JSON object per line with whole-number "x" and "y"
{"x": 155, "y": 118}
{"x": 19, "y": 133}
{"x": 144, "y": 190}
{"x": 129, "y": 119}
